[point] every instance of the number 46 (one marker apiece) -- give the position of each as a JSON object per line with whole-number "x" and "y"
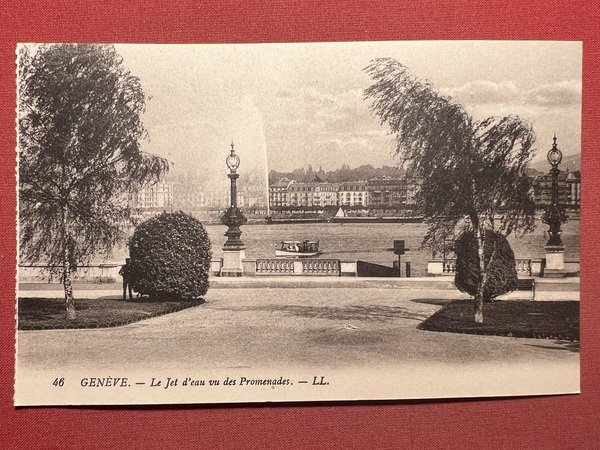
{"x": 58, "y": 382}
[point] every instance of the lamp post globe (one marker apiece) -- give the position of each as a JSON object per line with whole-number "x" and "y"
{"x": 232, "y": 160}
{"x": 554, "y": 155}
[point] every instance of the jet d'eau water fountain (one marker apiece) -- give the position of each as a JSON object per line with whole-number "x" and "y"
{"x": 247, "y": 130}
{"x": 238, "y": 120}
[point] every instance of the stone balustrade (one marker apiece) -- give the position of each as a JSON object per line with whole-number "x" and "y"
{"x": 329, "y": 267}
{"x": 449, "y": 266}
{"x": 109, "y": 272}
{"x": 276, "y": 266}
{"x": 106, "y": 273}
{"x": 524, "y": 266}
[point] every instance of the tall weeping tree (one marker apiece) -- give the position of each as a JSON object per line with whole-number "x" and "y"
{"x": 472, "y": 173}
{"x": 79, "y": 134}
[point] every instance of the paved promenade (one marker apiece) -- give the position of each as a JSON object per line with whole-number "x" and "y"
{"x": 316, "y": 326}
{"x": 365, "y": 338}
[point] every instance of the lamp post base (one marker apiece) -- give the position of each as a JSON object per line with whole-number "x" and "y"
{"x": 555, "y": 262}
{"x": 232, "y": 263}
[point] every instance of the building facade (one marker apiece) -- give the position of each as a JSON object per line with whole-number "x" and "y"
{"x": 316, "y": 193}
{"x": 573, "y": 181}
{"x": 569, "y": 189}
{"x": 326, "y": 194}
{"x": 278, "y": 193}
{"x": 377, "y": 193}
{"x": 353, "y": 193}
{"x": 159, "y": 195}
{"x": 387, "y": 193}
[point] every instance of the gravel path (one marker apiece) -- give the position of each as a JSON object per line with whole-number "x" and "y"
{"x": 334, "y": 328}
{"x": 363, "y": 341}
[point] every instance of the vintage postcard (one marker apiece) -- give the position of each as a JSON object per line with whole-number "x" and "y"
{"x": 297, "y": 222}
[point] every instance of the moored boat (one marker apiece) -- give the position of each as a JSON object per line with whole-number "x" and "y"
{"x": 298, "y": 249}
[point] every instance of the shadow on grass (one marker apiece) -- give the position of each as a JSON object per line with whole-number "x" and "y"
{"x": 571, "y": 346}
{"x": 545, "y": 320}
{"x": 432, "y": 301}
{"x": 49, "y": 313}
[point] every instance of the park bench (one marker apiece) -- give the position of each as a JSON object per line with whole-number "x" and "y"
{"x": 526, "y": 284}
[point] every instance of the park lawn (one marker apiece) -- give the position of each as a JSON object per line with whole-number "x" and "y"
{"x": 49, "y": 313}
{"x": 546, "y": 320}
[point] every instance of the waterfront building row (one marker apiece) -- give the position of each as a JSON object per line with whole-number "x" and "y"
{"x": 569, "y": 189}
{"x": 187, "y": 196}
{"x": 376, "y": 193}
{"x": 383, "y": 192}
{"x": 390, "y": 192}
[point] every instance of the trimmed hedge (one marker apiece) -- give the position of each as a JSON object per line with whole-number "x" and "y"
{"x": 170, "y": 257}
{"x": 501, "y": 273}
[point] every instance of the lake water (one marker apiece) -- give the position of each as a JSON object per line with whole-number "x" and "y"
{"x": 370, "y": 242}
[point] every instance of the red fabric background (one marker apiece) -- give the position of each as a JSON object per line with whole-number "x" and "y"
{"x": 542, "y": 422}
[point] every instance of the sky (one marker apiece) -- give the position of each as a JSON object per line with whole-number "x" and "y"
{"x": 290, "y": 105}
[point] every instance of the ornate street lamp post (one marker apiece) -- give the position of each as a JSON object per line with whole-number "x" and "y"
{"x": 233, "y": 250}
{"x": 554, "y": 216}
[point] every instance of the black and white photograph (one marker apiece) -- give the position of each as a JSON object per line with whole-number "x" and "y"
{"x": 297, "y": 222}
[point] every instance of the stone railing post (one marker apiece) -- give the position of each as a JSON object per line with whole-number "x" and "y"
{"x": 435, "y": 267}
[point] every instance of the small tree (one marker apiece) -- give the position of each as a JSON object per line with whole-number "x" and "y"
{"x": 170, "y": 257}
{"x": 472, "y": 173}
{"x": 499, "y": 259}
{"x": 80, "y": 128}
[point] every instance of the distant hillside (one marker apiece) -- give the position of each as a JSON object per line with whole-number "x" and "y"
{"x": 571, "y": 162}
{"x": 366, "y": 172}
{"x": 341, "y": 175}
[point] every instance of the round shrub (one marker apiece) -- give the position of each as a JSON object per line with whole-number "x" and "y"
{"x": 501, "y": 272}
{"x": 170, "y": 257}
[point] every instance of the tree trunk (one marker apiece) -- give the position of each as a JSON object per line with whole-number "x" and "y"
{"x": 478, "y": 310}
{"x": 66, "y": 275}
{"x": 479, "y": 296}
{"x": 68, "y": 287}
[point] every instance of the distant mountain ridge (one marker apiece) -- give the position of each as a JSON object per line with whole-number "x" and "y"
{"x": 365, "y": 172}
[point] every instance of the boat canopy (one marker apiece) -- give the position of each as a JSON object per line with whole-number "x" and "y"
{"x": 300, "y": 246}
